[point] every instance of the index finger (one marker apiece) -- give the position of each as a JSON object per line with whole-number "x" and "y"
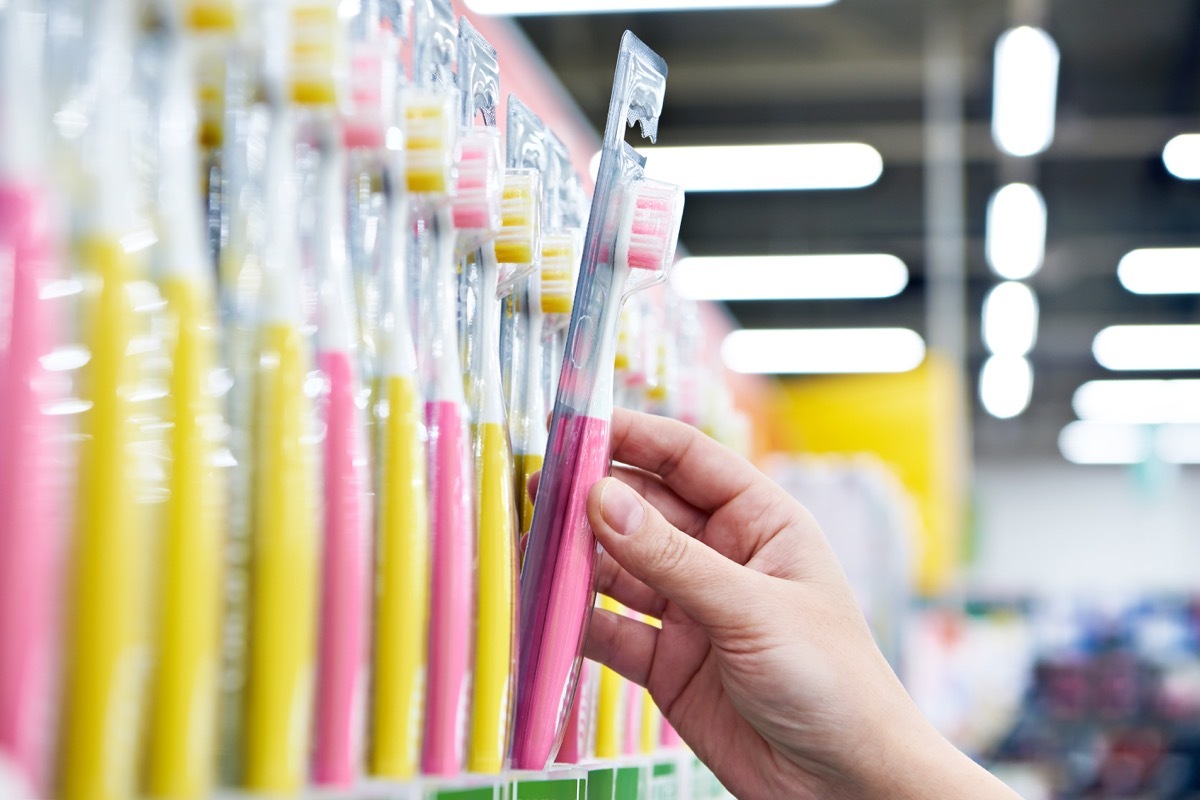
{"x": 701, "y": 471}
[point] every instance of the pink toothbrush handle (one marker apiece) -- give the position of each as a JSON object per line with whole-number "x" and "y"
{"x": 342, "y": 657}
{"x": 30, "y": 487}
{"x": 450, "y": 612}
{"x": 556, "y": 589}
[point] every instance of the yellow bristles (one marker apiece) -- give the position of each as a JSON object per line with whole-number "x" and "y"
{"x": 316, "y": 51}
{"x": 560, "y": 259}
{"x": 520, "y": 217}
{"x": 428, "y": 140}
{"x": 212, "y": 15}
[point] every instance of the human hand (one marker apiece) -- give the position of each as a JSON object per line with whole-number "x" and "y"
{"x": 764, "y": 663}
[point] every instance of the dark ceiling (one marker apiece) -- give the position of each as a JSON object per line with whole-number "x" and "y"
{"x": 1129, "y": 80}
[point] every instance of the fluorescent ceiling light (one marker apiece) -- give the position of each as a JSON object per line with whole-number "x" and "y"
{"x": 1144, "y": 402}
{"x": 538, "y": 7}
{"x": 1118, "y": 443}
{"x": 763, "y": 167}
{"x": 1148, "y": 347}
{"x": 1015, "y": 239}
{"x": 1025, "y": 92}
{"x": 1005, "y": 385}
{"x": 1181, "y": 156}
{"x": 1161, "y": 270}
{"x": 792, "y": 351}
{"x": 1010, "y": 319}
{"x": 790, "y": 277}
{"x": 1104, "y": 443}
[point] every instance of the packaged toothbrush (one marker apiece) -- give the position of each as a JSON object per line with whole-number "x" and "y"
{"x": 346, "y": 554}
{"x": 529, "y": 147}
{"x": 430, "y": 114}
{"x": 32, "y": 452}
{"x": 402, "y": 535}
{"x": 108, "y": 649}
{"x": 181, "y": 734}
{"x": 630, "y": 243}
{"x": 283, "y": 537}
{"x": 487, "y": 215}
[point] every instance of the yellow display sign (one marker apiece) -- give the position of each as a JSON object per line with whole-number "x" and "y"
{"x": 916, "y": 422}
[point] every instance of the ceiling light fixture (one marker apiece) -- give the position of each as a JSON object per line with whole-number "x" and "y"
{"x": 1148, "y": 347}
{"x": 1010, "y": 319}
{"x": 1119, "y": 443}
{"x": 1015, "y": 238}
{"x": 1025, "y": 91}
{"x": 763, "y": 167}
{"x": 806, "y": 277}
{"x": 1181, "y": 156}
{"x": 547, "y": 7}
{"x": 1161, "y": 270}
{"x": 1141, "y": 402}
{"x": 792, "y": 351}
{"x": 1005, "y": 385}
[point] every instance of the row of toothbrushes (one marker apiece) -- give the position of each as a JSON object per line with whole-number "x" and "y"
{"x": 271, "y": 520}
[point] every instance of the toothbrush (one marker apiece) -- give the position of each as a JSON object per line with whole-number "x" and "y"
{"x": 343, "y": 648}
{"x": 633, "y": 226}
{"x": 31, "y": 496}
{"x": 181, "y": 725}
{"x": 107, "y": 650}
{"x": 452, "y": 522}
{"x": 547, "y": 292}
{"x": 496, "y": 587}
{"x": 284, "y": 539}
{"x": 402, "y": 589}
{"x": 429, "y": 128}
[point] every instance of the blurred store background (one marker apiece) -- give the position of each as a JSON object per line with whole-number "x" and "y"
{"x": 1023, "y": 192}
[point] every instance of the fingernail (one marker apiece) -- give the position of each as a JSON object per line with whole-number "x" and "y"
{"x": 621, "y": 507}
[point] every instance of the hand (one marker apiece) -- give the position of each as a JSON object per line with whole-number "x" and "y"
{"x": 764, "y": 663}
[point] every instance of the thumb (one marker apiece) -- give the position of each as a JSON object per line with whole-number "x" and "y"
{"x": 689, "y": 573}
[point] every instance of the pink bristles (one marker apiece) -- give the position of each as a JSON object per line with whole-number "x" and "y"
{"x": 476, "y": 201}
{"x": 650, "y": 228}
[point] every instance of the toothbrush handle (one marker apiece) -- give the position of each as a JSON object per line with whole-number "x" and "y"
{"x": 283, "y": 572}
{"x": 31, "y": 517}
{"x": 496, "y": 602}
{"x": 452, "y": 528}
{"x": 402, "y": 601}
{"x": 342, "y": 660}
{"x": 182, "y": 729}
{"x": 556, "y": 588}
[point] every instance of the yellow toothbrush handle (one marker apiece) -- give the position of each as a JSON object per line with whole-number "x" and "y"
{"x": 609, "y": 702}
{"x": 651, "y": 716}
{"x": 182, "y": 721}
{"x": 279, "y": 681}
{"x": 496, "y": 603}
{"x": 402, "y": 595}
{"x": 527, "y": 466}
{"x": 107, "y": 651}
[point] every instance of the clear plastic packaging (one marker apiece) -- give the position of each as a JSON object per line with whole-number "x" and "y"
{"x": 343, "y": 646}
{"x": 496, "y": 546}
{"x": 430, "y": 118}
{"x": 632, "y": 230}
{"x": 32, "y": 469}
{"x": 181, "y": 732}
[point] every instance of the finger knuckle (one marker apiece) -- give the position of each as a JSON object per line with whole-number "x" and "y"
{"x": 670, "y": 553}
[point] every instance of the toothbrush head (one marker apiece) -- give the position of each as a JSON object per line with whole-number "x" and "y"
{"x": 372, "y": 87}
{"x": 316, "y": 52}
{"x": 650, "y": 226}
{"x": 429, "y": 130}
{"x": 211, "y": 16}
{"x": 519, "y": 241}
{"x": 477, "y": 185}
{"x": 560, "y": 261}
